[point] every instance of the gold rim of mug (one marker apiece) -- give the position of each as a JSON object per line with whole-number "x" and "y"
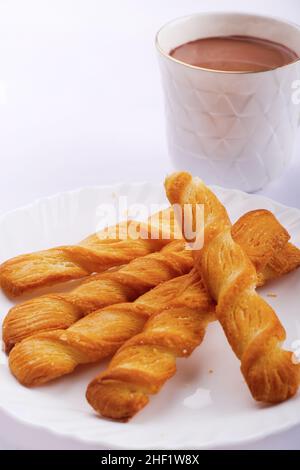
{"x": 232, "y": 72}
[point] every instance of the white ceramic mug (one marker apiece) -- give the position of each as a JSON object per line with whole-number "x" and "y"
{"x": 235, "y": 129}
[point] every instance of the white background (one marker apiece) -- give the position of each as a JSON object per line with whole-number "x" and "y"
{"x": 81, "y": 102}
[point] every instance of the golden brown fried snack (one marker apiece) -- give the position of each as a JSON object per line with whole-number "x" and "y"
{"x": 95, "y": 254}
{"x": 100, "y": 334}
{"x": 59, "y": 311}
{"x": 250, "y": 324}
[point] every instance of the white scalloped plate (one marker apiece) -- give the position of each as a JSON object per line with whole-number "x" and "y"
{"x": 206, "y": 405}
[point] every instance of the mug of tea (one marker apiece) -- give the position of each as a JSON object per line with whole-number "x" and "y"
{"x": 230, "y": 84}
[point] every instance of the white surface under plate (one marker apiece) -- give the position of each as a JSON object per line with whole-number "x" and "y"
{"x": 205, "y": 405}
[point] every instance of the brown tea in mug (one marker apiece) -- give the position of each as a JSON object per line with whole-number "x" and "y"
{"x": 234, "y": 54}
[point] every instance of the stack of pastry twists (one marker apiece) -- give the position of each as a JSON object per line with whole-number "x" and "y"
{"x": 250, "y": 324}
{"x": 164, "y": 323}
{"x": 148, "y": 360}
{"x": 113, "y": 246}
{"x": 285, "y": 261}
{"x": 46, "y": 356}
{"x": 145, "y": 362}
{"x": 59, "y": 311}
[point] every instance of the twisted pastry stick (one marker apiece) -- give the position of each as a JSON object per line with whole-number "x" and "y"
{"x": 46, "y": 356}
{"x": 59, "y": 311}
{"x": 101, "y": 333}
{"x": 93, "y": 255}
{"x": 146, "y": 361}
{"x": 251, "y": 326}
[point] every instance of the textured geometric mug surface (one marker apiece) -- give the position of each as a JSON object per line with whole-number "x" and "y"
{"x": 234, "y": 129}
